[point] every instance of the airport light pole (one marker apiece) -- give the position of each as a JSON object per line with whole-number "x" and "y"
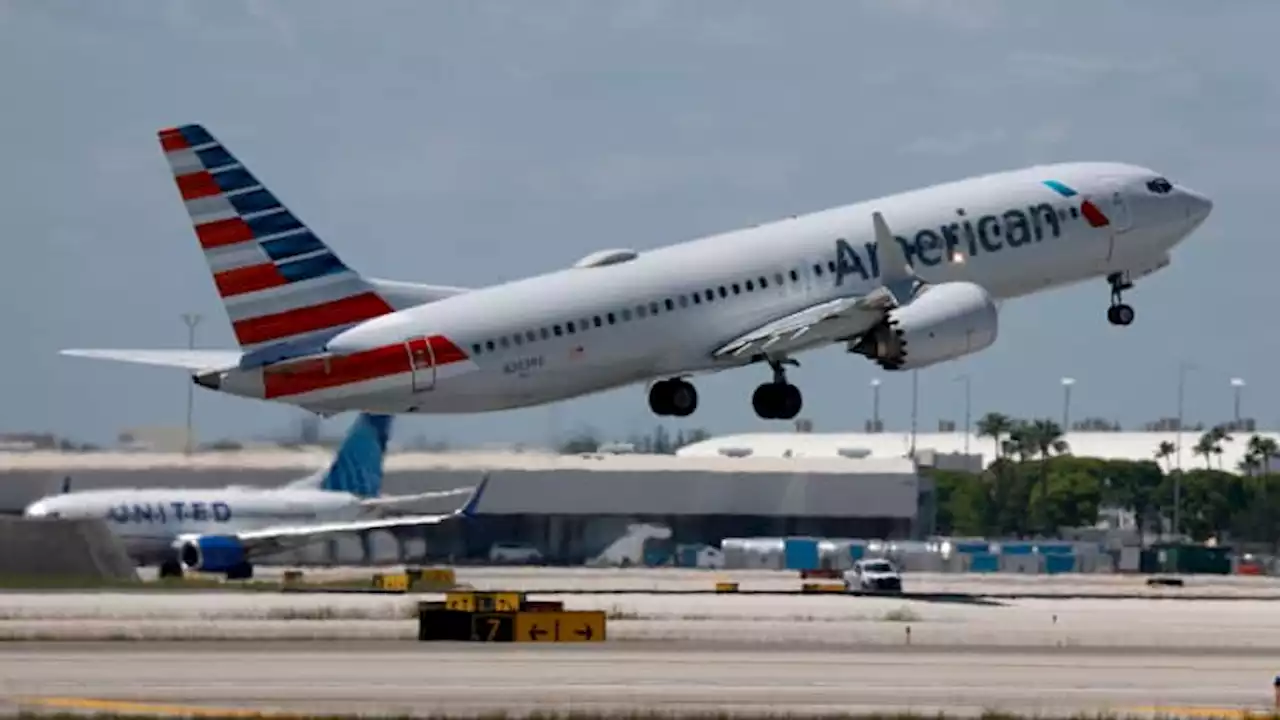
{"x": 1067, "y": 382}
{"x": 915, "y": 391}
{"x": 968, "y": 386}
{"x": 1183, "y": 368}
{"x": 191, "y": 320}
{"x": 1237, "y": 385}
{"x": 875, "y": 405}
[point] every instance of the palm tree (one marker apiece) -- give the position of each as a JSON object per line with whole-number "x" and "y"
{"x": 1165, "y": 452}
{"x": 1042, "y": 439}
{"x": 1210, "y": 445}
{"x": 1259, "y": 452}
{"x": 995, "y": 426}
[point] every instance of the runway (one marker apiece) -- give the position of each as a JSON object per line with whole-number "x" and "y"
{"x": 419, "y": 678}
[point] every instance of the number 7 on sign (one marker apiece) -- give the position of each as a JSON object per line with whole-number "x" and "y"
{"x": 494, "y": 624}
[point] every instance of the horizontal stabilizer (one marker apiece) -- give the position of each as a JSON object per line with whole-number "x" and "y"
{"x": 194, "y": 360}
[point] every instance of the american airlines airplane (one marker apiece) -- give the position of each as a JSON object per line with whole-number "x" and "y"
{"x": 223, "y": 530}
{"x": 907, "y": 281}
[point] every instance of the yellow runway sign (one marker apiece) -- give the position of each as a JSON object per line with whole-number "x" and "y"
{"x": 568, "y": 626}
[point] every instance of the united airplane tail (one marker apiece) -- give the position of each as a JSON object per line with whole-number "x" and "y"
{"x": 357, "y": 467}
{"x": 284, "y": 290}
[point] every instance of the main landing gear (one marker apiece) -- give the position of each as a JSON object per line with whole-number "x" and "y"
{"x": 673, "y": 397}
{"x": 1119, "y": 313}
{"x": 777, "y": 400}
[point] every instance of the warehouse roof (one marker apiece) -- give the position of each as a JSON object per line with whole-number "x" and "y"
{"x": 873, "y": 446}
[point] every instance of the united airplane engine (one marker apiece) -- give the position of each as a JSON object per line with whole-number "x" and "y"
{"x": 214, "y": 554}
{"x": 945, "y": 322}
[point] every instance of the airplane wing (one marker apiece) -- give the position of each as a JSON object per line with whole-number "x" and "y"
{"x": 279, "y": 538}
{"x": 392, "y": 500}
{"x": 835, "y": 320}
{"x": 194, "y": 360}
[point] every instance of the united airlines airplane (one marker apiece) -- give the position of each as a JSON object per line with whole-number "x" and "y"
{"x": 223, "y": 530}
{"x": 906, "y": 280}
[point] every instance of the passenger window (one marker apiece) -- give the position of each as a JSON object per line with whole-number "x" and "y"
{"x": 795, "y": 276}
{"x": 1075, "y": 213}
{"x": 489, "y": 344}
{"x": 684, "y": 301}
{"x": 545, "y": 335}
{"x": 653, "y": 308}
{"x": 817, "y": 270}
{"x": 777, "y": 277}
{"x": 518, "y": 339}
{"x": 697, "y": 299}
{"x": 611, "y": 318}
{"x": 569, "y": 326}
{"x": 475, "y": 348}
{"x": 831, "y": 266}
{"x": 737, "y": 290}
{"x": 670, "y": 304}
{"x": 724, "y": 292}
{"x": 750, "y": 286}
{"x": 556, "y": 329}
{"x": 711, "y": 295}
{"x": 639, "y": 311}
{"x": 598, "y": 321}
{"x": 626, "y": 315}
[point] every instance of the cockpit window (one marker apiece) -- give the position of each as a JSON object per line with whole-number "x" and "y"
{"x": 1160, "y": 186}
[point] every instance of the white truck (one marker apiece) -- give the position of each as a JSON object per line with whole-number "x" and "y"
{"x": 873, "y": 575}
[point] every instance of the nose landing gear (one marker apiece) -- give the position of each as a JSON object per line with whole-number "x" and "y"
{"x": 1119, "y": 313}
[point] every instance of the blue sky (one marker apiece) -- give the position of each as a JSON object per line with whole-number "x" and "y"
{"x": 474, "y": 142}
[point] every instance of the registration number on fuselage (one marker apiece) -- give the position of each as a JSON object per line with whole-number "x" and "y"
{"x": 524, "y": 364}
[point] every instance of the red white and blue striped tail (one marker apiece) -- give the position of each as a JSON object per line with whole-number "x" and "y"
{"x": 279, "y": 282}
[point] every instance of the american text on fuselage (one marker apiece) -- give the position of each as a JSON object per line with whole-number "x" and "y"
{"x": 964, "y": 306}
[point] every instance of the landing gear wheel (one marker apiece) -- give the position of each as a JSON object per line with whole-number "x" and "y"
{"x": 777, "y": 401}
{"x": 170, "y": 569}
{"x": 682, "y": 398}
{"x": 1120, "y": 315}
{"x": 673, "y": 398}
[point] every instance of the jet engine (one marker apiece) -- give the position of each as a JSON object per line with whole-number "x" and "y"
{"x": 212, "y": 553}
{"x": 944, "y": 322}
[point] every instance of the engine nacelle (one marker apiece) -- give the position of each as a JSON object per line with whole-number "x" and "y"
{"x": 944, "y": 322}
{"x": 210, "y": 553}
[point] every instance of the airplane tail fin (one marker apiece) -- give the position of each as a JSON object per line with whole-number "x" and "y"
{"x": 278, "y": 281}
{"x": 357, "y": 467}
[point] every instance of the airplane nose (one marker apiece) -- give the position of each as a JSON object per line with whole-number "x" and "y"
{"x": 1198, "y": 205}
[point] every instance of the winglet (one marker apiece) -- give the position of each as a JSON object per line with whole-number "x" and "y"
{"x": 896, "y": 274}
{"x": 469, "y": 510}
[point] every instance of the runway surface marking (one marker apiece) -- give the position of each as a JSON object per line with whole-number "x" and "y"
{"x": 125, "y": 706}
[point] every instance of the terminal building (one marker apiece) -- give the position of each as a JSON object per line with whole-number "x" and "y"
{"x": 568, "y": 507}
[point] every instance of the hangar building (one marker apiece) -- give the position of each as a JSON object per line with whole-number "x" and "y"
{"x": 569, "y": 507}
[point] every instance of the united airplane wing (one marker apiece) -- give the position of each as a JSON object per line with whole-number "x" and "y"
{"x": 393, "y": 500}
{"x": 217, "y": 553}
{"x": 194, "y": 360}
{"x": 835, "y": 320}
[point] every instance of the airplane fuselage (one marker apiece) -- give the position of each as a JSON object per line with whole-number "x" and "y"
{"x": 663, "y": 312}
{"x": 147, "y": 521}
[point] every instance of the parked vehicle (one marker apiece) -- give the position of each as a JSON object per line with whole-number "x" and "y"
{"x": 873, "y": 575}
